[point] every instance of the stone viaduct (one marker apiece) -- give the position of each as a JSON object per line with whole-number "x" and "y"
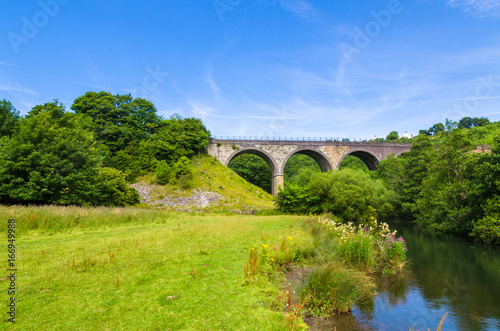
{"x": 328, "y": 154}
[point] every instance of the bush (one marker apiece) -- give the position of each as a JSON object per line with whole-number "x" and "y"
{"x": 487, "y": 230}
{"x": 114, "y": 190}
{"x": 162, "y": 172}
{"x": 137, "y": 159}
{"x": 182, "y": 173}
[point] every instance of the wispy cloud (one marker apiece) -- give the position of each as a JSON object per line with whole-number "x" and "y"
{"x": 300, "y": 8}
{"x": 213, "y": 85}
{"x": 9, "y": 88}
{"x": 96, "y": 86}
{"x": 7, "y": 64}
{"x": 478, "y": 7}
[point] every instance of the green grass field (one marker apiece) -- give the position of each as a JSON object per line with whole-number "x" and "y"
{"x": 167, "y": 271}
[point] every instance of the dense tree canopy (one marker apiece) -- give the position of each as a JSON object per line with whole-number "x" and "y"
{"x": 349, "y": 194}
{"x": 118, "y": 119}
{"x": 392, "y": 136}
{"x": 9, "y": 118}
{"x": 442, "y": 184}
{"x": 180, "y": 137}
{"x": 84, "y": 158}
{"x": 52, "y": 159}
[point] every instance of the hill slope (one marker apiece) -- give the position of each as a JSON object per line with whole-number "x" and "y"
{"x": 215, "y": 187}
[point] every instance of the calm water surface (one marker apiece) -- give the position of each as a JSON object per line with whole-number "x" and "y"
{"x": 448, "y": 275}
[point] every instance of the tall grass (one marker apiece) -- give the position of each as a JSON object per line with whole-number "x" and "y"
{"x": 51, "y": 219}
{"x": 333, "y": 288}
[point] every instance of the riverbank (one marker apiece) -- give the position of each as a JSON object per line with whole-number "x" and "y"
{"x": 83, "y": 267}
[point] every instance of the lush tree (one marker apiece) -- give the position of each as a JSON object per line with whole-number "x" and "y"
{"x": 9, "y": 118}
{"x": 52, "y": 159}
{"x": 442, "y": 184}
{"x": 137, "y": 159}
{"x": 442, "y": 200}
{"x": 353, "y": 162}
{"x": 299, "y": 169}
{"x": 392, "y": 136}
{"x": 469, "y": 122}
{"x": 118, "y": 119}
{"x": 350, "y": 194}
{"x": 436, "y": 128}
{"x": 180, "y": 137}
{"x": 424, "y": 132}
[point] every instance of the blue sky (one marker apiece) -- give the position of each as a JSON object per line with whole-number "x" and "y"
{"x": 262, "y": 67}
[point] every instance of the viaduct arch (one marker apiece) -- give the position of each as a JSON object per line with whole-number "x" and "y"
{"x": 328, "y": 154}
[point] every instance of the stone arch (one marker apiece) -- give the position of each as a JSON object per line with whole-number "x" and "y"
{"x": 277, "y": 177}
{"x": 259, "y": 152}
{"x": 321, "y": 159}
{"x": 368, "y": 158}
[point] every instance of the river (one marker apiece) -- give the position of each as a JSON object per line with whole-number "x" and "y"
{"x": 448, "y": 275}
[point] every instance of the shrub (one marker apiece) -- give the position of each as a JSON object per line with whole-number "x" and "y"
{"x": 162, "y": 173}
{"x": 182, "y": 173}
{"x": 114, "y": 190}
{"x": 180, "y": 137}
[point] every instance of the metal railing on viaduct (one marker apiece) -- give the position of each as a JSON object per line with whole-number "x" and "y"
{"x": 326, "y": 139}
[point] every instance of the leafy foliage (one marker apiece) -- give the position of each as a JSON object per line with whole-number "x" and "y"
{"x": 137, "y": 159}
{"x": 443, "y": 184}
{"x": 118, "y": 119}
{"x": 299, "y": 169}
{"x": 392, "y": 136}
{"x": 9, "y": 118}
{"x": 350, "y": 194}
{"x": 182, "y": 172}
{"x": 162, "y": 172}
{"x": 353, "y": 162}
{"x": 113, "y": 189}
{"x": 180, "y": 137}
{"x": 51, "y": 160}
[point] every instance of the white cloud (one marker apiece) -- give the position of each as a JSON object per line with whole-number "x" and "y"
{"x": 300, "y": 8}
{"x": 9, "y": 88}
{"x": 213, "y": 85}
{"x": 478, "y": 7}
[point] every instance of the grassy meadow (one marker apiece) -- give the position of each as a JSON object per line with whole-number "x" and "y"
{"x": 141, "y": 269}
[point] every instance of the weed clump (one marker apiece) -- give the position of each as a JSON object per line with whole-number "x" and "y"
{"x": 333, "y": 288}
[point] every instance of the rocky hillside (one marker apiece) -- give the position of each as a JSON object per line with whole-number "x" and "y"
{"x": 215, "y": 188}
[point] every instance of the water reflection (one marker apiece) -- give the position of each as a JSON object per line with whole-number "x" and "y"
{"x": 447, "y": 275}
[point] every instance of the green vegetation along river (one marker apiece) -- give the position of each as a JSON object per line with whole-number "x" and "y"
{"x": 448, "y": 275}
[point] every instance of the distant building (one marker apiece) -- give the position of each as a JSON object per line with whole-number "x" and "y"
{"x": 407, "y": 135}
